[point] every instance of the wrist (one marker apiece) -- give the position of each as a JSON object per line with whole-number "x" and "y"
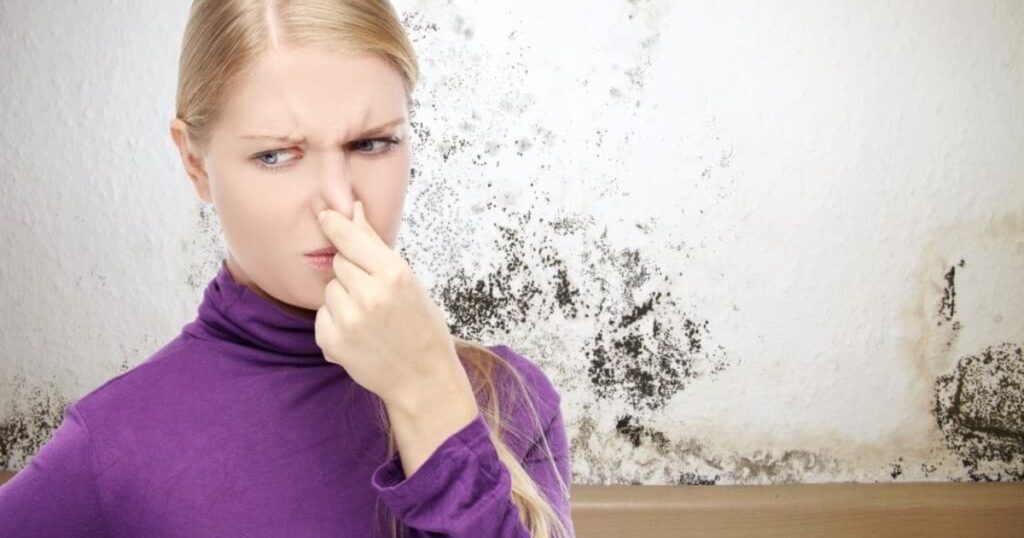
{"x": 442, "y": 406}
{"x": 433, "y": 398}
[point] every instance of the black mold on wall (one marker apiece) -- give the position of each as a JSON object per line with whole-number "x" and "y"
{"x": 896, "y": 469}
{"x": 947, "y": 308}
{"x": 694, "y": 479}
{"x": 630, "y": 427}
{"x": 30, "y": 424}
{"x": 702, "y": 465}
{"x": 789, "y": 467}
{"x": 416, "y": 27}
{"x": 651, "y": 349}
{"x": 980, "y": 409}
{"x": 205, "y": 238}
{"x": 527, "y": 286}
{"x": 645, "y": 349}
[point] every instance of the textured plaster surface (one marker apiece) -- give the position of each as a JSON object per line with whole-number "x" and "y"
{"x": 750, "y": 242}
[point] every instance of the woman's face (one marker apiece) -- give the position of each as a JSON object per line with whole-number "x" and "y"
{"x": 326, "y": 108}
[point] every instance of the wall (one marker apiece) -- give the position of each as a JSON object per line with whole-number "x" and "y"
{"x": 750, "y": 242}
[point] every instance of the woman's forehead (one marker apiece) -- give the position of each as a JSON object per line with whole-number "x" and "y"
{"x": 312, "y": 94}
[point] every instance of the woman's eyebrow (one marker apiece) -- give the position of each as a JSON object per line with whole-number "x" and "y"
{"x": 371, "y": 132}
{"x": 382, "y": 128}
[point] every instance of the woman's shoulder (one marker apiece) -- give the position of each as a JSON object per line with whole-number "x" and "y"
{"x": 132, "y": 386}
{"x": 533, "y": 374}
{"x": 543, "y": 395}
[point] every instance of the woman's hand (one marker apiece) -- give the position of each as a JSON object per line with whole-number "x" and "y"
{"x": 378, "y": 322}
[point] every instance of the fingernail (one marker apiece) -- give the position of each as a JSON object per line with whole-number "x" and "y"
{"x": 320, "y": 216}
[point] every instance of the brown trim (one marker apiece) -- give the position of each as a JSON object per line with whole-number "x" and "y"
{"x": 932, "y": 509}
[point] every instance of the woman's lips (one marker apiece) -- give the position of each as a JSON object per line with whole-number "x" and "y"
{"x": 322, "y": 259}
{"x": 324, "y": 262}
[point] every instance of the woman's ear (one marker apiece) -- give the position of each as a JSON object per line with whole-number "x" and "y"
{"x": 193, "y": 163}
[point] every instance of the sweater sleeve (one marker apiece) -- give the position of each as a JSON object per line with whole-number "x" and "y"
{"x": 464, "y": 490}
{"x": 56, "y": 493}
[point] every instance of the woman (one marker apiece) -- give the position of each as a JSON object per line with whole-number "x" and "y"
{"x": 318, "y": 383}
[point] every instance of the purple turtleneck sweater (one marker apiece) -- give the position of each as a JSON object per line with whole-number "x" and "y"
{"x": 240, "y": 427}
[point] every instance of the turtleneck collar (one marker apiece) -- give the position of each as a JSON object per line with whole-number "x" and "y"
{"x": 234, "y": 313}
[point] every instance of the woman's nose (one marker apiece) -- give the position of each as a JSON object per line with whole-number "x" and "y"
{"x": 335, "y": 187}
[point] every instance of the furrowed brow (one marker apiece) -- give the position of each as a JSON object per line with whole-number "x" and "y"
{"x": 279, "y": 138}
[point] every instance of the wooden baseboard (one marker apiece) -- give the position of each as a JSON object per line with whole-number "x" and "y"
{"x": 925, "y": 509}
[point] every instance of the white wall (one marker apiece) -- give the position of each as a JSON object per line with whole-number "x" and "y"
{"x": 812, "y": 212}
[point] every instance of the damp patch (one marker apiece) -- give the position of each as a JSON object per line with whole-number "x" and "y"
{"x": 980, "y": 410}
{"x": 33, "y": 414}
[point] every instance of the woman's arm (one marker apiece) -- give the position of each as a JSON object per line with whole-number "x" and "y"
{"x": 421, "y": 426}
{"x": 56, "y": 494}
{"x": 464, "y": 490}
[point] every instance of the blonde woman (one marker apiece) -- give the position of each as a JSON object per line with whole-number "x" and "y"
{"x": 318, "y": 391}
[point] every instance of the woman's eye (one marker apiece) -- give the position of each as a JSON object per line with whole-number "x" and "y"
{"x": 271, "y": 163}
{"x": 390, "y": 144}
{"x": 371, "y": 147}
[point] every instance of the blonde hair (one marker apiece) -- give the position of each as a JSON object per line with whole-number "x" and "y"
{"x": 222, "y": 39}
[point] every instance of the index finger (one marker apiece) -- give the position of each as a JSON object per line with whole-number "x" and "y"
{"x": 354, "y": 243}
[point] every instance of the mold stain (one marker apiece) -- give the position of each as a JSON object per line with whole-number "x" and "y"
{"x": 975, "y": 399}
{"x": 694, "y": 479}
{"x": 30, "y": 423}
{"x": 947, "y": 308}
{"x": 651, "y": 349}
{"x": 630, "y": 427}
{"x": 931, "y": 323}
{"x": 416, "y": 27}
{"x": 513, "y": 293}
{"x": 896, "y": 469}
{"x": 686, "y": 461}
{"x": 462, "y": 28}
{"x": 980, "y": 410}
{"x": 789, "y": 467}
{"x": 644, "y": 347}
{"x": 650, "y": 16}
{"x": 204, "y": 248}
{"x": 451, "y": 144}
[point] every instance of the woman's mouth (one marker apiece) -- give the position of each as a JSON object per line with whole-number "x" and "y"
{"x": 322, "y": 259}
{"x": 326, "y": 251}
{"x": 323, "y": 262}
